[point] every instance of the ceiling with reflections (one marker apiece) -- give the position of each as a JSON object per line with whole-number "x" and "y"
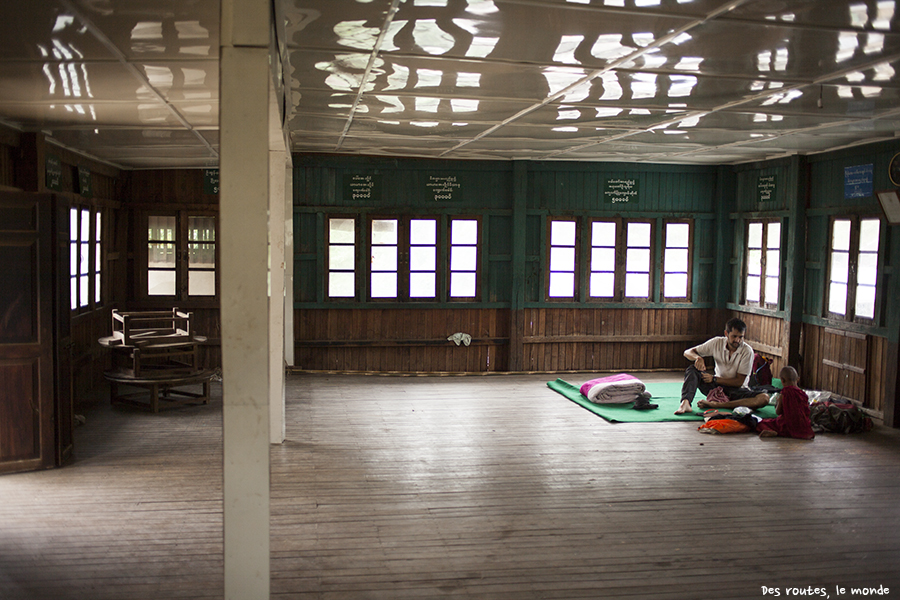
{"x": 662, "y": 81}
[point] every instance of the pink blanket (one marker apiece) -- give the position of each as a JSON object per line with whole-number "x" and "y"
{"x": 615, "y": 389}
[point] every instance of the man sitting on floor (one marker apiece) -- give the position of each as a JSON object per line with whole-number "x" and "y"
{"x": 733, "y": 363}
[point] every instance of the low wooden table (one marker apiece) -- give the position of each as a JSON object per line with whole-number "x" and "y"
{"x": 159, "y": 386}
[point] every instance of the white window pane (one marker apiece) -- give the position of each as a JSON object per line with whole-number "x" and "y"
{"x": 675, "y": 285}
{"x": 463, "y": 232}
{"x": 340, "y": 258}
{"x": 562, "y": 233}
{"x": 840, "y": 238}
{"x": 676, "y": 260}
{"x": 677, "y": 235}
{"x": 603, "y": 233}
{"x": 869, "y": 230}
{"x": 97, "y": 257}
{"x": 562, "y": 259}
{"x": 161, "y": 228}
{"x": 84, "y": 257}
{"x": 97, "y": 288}
{"x": 423, "y": 231}
{"x": 562, "y": 285}
{"x": 85, "y": 225}
{"x": 637, "y": 259}
{"x": 384, "y": 285}
{"x": 840, "y": 267}
{"x": 73, "y": 226}
{"x": 202, "y": 229}
{"x": 865, "y": 301}
{"x": 161, "y": 283}
{"x": 753, "y": 288}
{"x": 97, "y": 237}
{"x": 422, "y": 285}
{"x": 160, "y": 255}
{"x": 341, "y": 285}
{"x": 867, "y": 272}
{"x": 773, "y": 235}
{"x": 773, "y": 263}
{"x": 422, "y": 258}
{"x": 73, "y": 290}
{"x": 384, "y": 258}
{"x": 771, "y": 290}
{"x": 639, "y": 234}
{"x": 462, "y": 285}
{"x": 602, "y": 285}
{"x": 384, "y": 231}
{"x": 202, "y": 255}
{"x": 603, "y": 259}
{"x": 83, "y": 291}
{"x": 754, "y": 262}
{"x": 201, "y": 283}
{"x": 637, "y": 285}
{"x": 73, "y": 258}
{"x": 463, "y": 258}
{"x": 341, "y": 231}
{"x": 837, "y": 298}
{"x": 754, "y": 235}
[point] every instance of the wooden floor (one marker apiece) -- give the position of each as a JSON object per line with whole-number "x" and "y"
{"x": 456, "y": 487}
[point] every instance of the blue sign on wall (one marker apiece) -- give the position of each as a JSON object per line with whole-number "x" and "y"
{"x": 858, "y": 181}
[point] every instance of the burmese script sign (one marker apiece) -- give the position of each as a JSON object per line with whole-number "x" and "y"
{"x": 53, "y": 173}
{"x": 362, "y": 188}
{"x": 210, "y": 181}
{"x": 619, "y": 190}
{"x": 443, "y": 187}
{"x": 765, "y": 188}
{"x": 858, "y": 181}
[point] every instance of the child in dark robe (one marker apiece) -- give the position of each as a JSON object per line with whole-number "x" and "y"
{"x": 792, "y": 410}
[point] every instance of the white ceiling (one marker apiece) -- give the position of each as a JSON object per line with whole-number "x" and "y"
{"x": 135, "y": 83}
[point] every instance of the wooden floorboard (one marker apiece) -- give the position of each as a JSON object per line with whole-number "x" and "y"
{"x": 456, "y": 487}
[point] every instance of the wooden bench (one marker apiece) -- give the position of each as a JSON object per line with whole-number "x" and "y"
{"x": 159, "y": 386}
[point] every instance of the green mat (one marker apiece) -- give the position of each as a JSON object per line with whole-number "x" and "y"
{"x": 666, "y": 395}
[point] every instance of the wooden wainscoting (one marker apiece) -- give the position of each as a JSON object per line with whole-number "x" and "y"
{"x": 850, "y": 364}
{"x": 612, "y": 339}
{"x": 401, "y": 340}
{"x": 766, "y": 335}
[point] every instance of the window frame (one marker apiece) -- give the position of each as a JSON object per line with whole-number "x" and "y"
{"x": 357, "y": 233}
{"x": 763, "y": 301}
{"x": 853, "y": 252}
{"x": 548, "y": 257}
{"x": 690, "y": 264}
{"x": 404, "y": 269}
{"x": 95, "y": 263}
{"x": 182, "y": 258}
{"x": 479, "y": 255}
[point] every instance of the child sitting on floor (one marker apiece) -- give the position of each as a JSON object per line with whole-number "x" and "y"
{"x": 792, "y": 410}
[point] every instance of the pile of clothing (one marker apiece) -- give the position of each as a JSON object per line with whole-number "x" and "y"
{"x": 618, "y": 389}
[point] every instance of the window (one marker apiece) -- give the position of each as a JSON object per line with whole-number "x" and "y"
{"x": 676, "y": 261}
{"x": 603, "y": 259}
{"x": 341, "y": 258}
{"x": 463, "y": 258}
{"x": 637, "y": 260}
{"x": 561, "y": 272}
{"x": 423, "y": 258}
{"x": 384, "y": 263}
{"x": 181, "y": 256}
{"x": 85, "y": 235}
{"x": 763, "y": 267}
{"x": 853, "y": 270}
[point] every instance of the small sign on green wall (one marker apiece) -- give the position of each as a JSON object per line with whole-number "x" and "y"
{"x": 53, "y": 173}
{"x": 362, "y": 188}
{"x": 84, "y": 183}
{"x": 766, "y": 186}
{"x": 211, "y": 181}
{"x": 620, "y": 190}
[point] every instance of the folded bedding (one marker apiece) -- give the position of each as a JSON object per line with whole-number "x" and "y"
{"x": 614, "y": 389}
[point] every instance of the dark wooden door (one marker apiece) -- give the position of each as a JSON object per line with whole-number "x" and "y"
{"x": 27, "y": 432}
{"x": 63, "y": 409}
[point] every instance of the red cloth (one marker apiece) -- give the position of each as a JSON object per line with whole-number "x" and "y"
{"x": 794, "y": 418}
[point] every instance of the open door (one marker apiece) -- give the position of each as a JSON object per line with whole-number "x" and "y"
{"x": 27, "y": 432}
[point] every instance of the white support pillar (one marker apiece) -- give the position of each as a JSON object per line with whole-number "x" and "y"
{"x": 289, "y": 261}
{"x": 243, "y": 207}
{"x": 276, "y": 297}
